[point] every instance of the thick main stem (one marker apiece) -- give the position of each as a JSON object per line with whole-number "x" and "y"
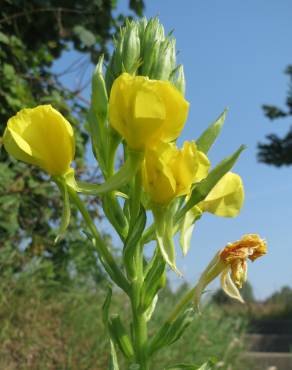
{"x": 139, "y": 318}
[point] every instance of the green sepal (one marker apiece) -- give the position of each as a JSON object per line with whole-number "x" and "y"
{"x": 203, "y": 188}
{"x": 208, "y": 137}
{"x": 118, "y": 180}
{"x": 187, "y": 227}
{"x": 171, "y": 331}
{"x": 133, "y": 240}
{"x": 113, "y": 361}
{"x": 164, "y": 229}
{"x": 153, "y": 280}
{"x": 66, "y": 213}
{"x": 120, "y": 337}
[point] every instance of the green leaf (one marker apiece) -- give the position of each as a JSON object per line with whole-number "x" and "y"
{"x": 171, "y": 331}
{"x": 203, "y": 188}
{"x": 115, "y": 215}
{"x": 208, "y": 137}
{"x": 153, "y": 280}
{"x": 86, "y": 37}
{"x": 106, "y": 306}
{"x": 119, "y": 335}
{"x": 113, "y": 362}
{"x": 133, "y": 239}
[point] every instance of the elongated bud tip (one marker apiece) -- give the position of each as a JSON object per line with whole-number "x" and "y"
{"x": 98, "y": 68}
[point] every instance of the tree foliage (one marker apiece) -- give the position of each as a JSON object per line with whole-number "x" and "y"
{"x": 33, "y": 34}
{"x": 278, "y": 151}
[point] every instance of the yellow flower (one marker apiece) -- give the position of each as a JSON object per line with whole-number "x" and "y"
{"x": 145, "y": 111}
{"x": 41, "y": 136}
{"x": 231, "y": 264}
{"x": 169, "y": 172}
{"x": 226, "y": 198}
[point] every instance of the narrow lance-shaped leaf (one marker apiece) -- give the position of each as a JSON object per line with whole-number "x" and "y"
{"x": 134, "y": 237}
{"x": 205, "y": 186}
{"x": 106, "y": 306}
{"x": 170, "y": 332}
{"x": 119, "y": 334}
{"x": 153, "y": 280}
{"x": 208, "y": 137}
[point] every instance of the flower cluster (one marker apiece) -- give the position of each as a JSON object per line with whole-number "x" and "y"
{"x": 138, "y": 107}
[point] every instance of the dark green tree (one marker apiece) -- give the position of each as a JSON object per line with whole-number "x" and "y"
{"x": 278, "y": 150}
{"x": 33, "y": 34}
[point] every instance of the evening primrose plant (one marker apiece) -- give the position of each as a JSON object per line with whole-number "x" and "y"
{"x": 138, "y": 107}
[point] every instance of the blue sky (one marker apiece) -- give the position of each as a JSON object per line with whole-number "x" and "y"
{"x": 234, "y": 53}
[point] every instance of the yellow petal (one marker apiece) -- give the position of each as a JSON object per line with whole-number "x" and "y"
{"x": 41, "y": 136}
{"x": 226, "y": 198}
{"x": 158, "y": 180}
{"x": 170, "y": 172}
{"x": 189, "y": 166}
{"x": 176, "y": 108}
{"x": 146, "y": 111}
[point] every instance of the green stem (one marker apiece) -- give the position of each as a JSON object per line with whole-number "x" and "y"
{"x": 122, "y": 177}
{"x": 139, "y": 318}
{"x": 105, "y": 256}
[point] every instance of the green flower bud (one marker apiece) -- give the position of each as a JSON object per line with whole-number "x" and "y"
{"x": 141, "y": 27}
{"x": 180, "y": 82}
{"x": 131, "y": 48}
{"x": 165, "y": 62}
{"x": 99, "y": 96}
{"x": 150, "y": 44}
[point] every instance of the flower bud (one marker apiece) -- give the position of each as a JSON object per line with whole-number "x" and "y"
{"x": 150, "y": 44}
{"x": 99, "y": 98}
{"x": 43, "y": 137}
{"x": 131, "y": 48}
{"x": 165, "y": 62}
{"x": 180, "y": 82}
